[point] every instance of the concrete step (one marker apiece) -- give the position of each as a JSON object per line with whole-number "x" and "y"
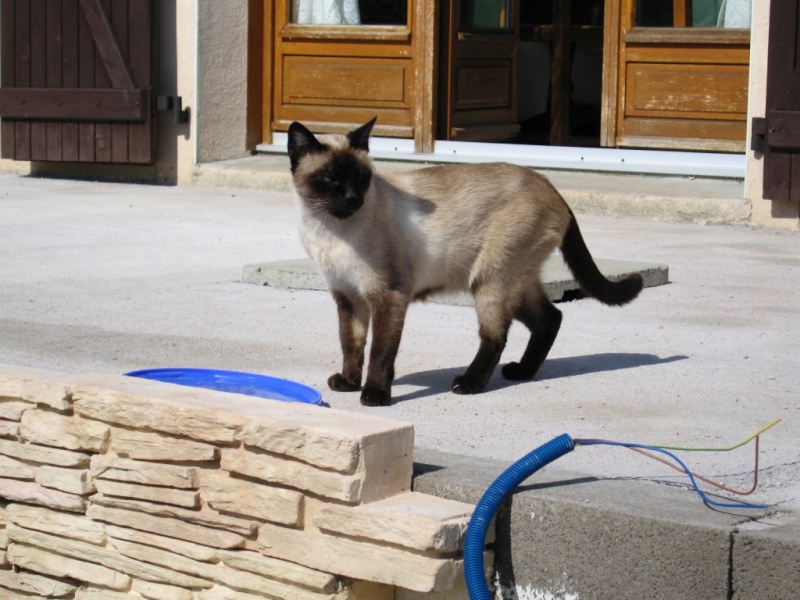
{"x": 663, "y": 198}
{"x": 558, "y": 280}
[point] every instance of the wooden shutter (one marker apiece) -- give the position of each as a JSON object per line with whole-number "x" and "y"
{"x": 77, "y": 81}
{"x": 782, "y": 140}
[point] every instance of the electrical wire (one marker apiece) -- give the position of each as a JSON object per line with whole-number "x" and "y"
{"x": 703, "y": 496}
{"x": 708, "y": 480}
{"x": 648, "y": 449}
{"x": 728, "y": 449}
{"x": 505, "y": 484}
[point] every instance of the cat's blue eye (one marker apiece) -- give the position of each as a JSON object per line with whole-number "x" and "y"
{"x": 328, "y": 177}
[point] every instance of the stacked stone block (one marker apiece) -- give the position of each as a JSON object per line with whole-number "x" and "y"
{"x": 114, "y": 487}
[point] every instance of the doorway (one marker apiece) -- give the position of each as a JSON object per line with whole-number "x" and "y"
{"x": 651, "y": 74}
{"x": 521, "y": 72}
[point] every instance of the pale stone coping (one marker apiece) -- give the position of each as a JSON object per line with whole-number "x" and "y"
{"x": 48, "y": 429}
{"x": 181, "y": 498}
{"x": 15, "y": 469}
{"x": 227, "y": 494}
{"x": 31, "y": 583}
{"x": 133, "y": 471}
{"x": 44, "y": 455}
{"x": 77, "y": 527}
{"x": 328, "y": 438}
{"x": 56, "y": 565}
{"x": 412, "y": 520}
{"x": 151, "y": 488}
{"x": 36, "y": 386}
{"x": 205, "y": 517}
{"x": 231, "y": 408}
{"x": 71, "y": 481}
{"x": 61, "y": 557}
{"x": 32, "y": 493}
{"x": 147, "y": 446}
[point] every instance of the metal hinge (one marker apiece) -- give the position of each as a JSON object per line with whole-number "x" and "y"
{"x": 758, "y": 134}
{"x": 180, "y": 115}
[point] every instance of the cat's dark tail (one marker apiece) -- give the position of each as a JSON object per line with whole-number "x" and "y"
{"x": 592, "y": 281}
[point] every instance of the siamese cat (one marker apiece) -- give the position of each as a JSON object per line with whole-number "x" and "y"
{"x": 383, "y": 241}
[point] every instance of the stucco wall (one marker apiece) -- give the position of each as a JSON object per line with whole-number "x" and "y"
{"x": 765, "y": 212}
{"x": 222, "y": 67}
{"x": 115, "y": 487}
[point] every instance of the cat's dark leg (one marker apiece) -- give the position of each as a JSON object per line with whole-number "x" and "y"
{"x": 544, "y": 320}
{"x": 494, "y": 319}
{"x": 353, "y": 325}
{"x": 388, "y": 315}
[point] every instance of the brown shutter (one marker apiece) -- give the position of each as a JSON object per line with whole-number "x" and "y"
{"x": 782, "y": 141}
{"x": 77, "y": 81}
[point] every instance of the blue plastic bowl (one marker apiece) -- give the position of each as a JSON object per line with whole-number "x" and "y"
{"x": 237, "y": 382}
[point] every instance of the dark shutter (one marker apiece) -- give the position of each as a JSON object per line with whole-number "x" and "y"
{"x": 782, "y": 140}
{"x": 77, "y": 81}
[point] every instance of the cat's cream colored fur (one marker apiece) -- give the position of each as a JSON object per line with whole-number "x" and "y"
{"x": 486, "y": 228}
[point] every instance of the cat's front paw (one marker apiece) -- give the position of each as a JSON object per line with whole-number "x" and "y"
{"x": 374, "y": 396}
{"x": 467, "y": 385}
{"x": 338, "y": 383}
{"x": 514, "y": 371}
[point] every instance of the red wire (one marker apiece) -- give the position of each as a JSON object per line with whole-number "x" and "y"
{"x": 706, "y": 479}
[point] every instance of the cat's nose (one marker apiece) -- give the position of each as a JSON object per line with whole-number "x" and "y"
{"x": 352, "y": 200}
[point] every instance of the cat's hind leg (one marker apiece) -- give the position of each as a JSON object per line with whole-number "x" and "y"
{"x": 543, "y": 319}
{"x": 494, "y": 319}
{"x": 353, "y": 325}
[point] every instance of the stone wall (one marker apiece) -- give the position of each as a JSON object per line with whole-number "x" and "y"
{"x": 114, "y": 487}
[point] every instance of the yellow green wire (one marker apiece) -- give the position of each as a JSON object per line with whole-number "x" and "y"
{"x": 729, "y": 448}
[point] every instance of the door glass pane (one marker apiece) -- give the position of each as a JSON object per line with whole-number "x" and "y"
{"x": 349, "y": 12}
{"x": 484, "y": 14}
{"x": 728, "y": 14}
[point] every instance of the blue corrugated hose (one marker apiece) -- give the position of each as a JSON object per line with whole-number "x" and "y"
{"x": 490, "y": 502}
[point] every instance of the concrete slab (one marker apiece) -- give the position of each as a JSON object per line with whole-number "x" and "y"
{"x": 301, "y": 274}
{"x": 766, "y": 559}
{"x": 110, "y": 278}
{"x": 565, "y": 535}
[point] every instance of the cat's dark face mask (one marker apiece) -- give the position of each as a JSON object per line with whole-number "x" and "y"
{"x": 342, "y": 183}
{"x": 339, "y": 182}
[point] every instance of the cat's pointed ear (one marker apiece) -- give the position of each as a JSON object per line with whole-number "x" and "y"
{"x": 359, "y": 138}
{"x": 301, "y": 143}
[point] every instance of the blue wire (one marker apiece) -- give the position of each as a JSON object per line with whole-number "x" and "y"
{"x": 703, "y": 496}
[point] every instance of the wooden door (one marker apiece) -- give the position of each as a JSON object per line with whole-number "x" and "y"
{"x": 77, "y": 81}
{"x": 336, "y": 72}
{"x": 479, "y": 50}
{"x": 782, "y": 127}
{"x": 682, "y": 75}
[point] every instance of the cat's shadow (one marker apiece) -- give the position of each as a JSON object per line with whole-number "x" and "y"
{"x": 438, "y": 381}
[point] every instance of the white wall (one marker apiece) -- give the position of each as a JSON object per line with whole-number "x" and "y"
{"x": 765, "y": 212}
{"x": 222, "y": 61}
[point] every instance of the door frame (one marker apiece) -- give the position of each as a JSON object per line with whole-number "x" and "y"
{"x": 610, "y": 88}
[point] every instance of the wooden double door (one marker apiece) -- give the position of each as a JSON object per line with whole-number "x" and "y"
{"x": 446, "y": 69}
{"x": 560, "y": 72}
